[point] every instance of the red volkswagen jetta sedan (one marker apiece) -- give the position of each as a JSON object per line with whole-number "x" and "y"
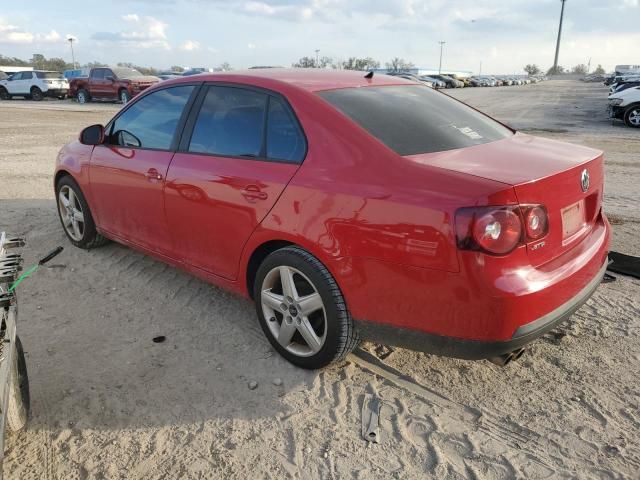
{"x": 347, "y": 206}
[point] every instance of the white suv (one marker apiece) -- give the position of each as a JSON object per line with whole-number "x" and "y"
{"x": 625, "y": 105}
{"x": 35, "y": 84}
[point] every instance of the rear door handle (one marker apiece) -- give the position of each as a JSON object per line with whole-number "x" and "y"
{"x": 253, "y": 192}
{"x": 153, "y": 174}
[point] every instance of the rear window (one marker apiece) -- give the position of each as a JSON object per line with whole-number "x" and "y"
{"x": 49, "y": 75}
{"x": 415, "y": 119}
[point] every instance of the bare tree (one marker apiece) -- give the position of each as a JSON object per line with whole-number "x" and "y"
{"x": 305, "y": 62}
{"x": 532, "y": 69}
{"x": 398, "y": 65}
{"x": 556, "y": 70}
{"x": 177, "y": 68}
{"x": 599, "y": 70}
{"x": 308, "y": 62}
{"x": 355, "y": 63}
{"x": 225, "y": 67}
{"x": 580, "y": 69}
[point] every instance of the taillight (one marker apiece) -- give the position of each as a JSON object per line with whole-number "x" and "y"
{"x": 536, "y": 221}
{"x": 499, "y": 230}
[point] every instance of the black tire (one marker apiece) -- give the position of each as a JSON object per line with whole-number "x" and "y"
{"x": 36, "y": 94}
{"x": 4, "y": 94}
{"x": 83, "y": 96}
{"x": 341, "y": 335}
{"x": 90, "y": 237}
{"x": 19, "y": 401}
{"x": 124, "y": 96}
{"x": 632, "y": 116}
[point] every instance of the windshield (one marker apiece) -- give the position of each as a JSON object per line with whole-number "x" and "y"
{"x": 49, "y": 75}
{"x": 415, "y": 119}
{"x": 126, "y": 72}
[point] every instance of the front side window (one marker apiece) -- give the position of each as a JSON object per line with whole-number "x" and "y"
{"x": 151, "y": 122}
{"x": 26, "y": 76}
{"x": 414, "y": 119}
{"x": 230, "y": 123}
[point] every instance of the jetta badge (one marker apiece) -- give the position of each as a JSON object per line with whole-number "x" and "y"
{"x": 584, "y": 180}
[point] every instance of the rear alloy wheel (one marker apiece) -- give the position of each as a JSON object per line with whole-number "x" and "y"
{"x": 83, "y": 96}
{"x": 36, "y": 94}
{"x": 632, "y": 116}
{"x": 124, "y": 97}
{"x": 301, "y": 309}
{"x": 75, "y": 215}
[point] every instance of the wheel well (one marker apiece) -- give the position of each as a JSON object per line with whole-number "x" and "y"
{"x": 59, "y": 175}
{"x": 258, "y": 256}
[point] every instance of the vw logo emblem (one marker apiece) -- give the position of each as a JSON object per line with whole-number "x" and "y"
{"x": 584, "y": 180}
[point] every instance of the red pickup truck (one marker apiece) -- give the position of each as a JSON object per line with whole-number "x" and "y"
{"x": 106, "y": 83}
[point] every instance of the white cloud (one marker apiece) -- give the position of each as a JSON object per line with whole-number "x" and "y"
{"x": 144, "y": 32}
{"x": 12, "y": 34}
{"x": 251, "y": 46}
{"x": 190, "y": 46}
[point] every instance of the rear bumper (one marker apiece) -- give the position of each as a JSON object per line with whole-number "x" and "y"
{"x": 478, "y": 349}
{"x": 57, "y": 92}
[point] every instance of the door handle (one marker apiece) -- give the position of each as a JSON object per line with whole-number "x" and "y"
{"x": 253, "y": 192}
{"x": 153, "y": 174}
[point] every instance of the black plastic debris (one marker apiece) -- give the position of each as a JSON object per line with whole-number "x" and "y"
{"x": 159, "y": 339}
{"x": 624, "y": 264}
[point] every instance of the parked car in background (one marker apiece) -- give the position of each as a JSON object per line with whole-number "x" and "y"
{"x": 195, "y": 71}
{"x": 413, "y": 78}
{"x": 110, "y": 83}
{"x": 34, "y": 84}
{"x": 625, "y": 105}
{"x": 168, "y": 75}
{"x": 437, "y": 83}
{"x": 347, "y": 206}
{"x": 449, "y": 82}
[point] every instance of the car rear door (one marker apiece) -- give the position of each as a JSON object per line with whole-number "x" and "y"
{"x": 239, "y": 150}
{"x": 98, "y": 84}
{"x": 127, "y": 173}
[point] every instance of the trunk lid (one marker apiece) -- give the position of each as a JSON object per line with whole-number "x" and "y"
{"x": 541, "y": 171}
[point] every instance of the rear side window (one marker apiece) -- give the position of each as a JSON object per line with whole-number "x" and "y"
{"x": 284, "y": 137}
{"x": 231, "y": 122}
{"x": 97, "y": 74}
{"x": 49, "y": 75}
{"x": 151, "y": 122}
{"x": 415, "y": 119}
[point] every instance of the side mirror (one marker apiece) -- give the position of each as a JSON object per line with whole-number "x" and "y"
{"x": 110, "y": 78}
{"x": 92, "y": 135}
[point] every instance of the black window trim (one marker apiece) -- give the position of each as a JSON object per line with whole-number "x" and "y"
{"x": 187, "y": 133}
{"x": 186, "y": 113}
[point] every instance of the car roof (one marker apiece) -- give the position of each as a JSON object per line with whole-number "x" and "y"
{"x": 310, "y": 79}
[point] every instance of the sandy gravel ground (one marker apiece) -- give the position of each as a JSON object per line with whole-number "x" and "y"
{"x": 108, "y": 403}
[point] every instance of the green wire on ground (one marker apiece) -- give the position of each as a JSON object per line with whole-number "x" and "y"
{"x": 23, "y": 276}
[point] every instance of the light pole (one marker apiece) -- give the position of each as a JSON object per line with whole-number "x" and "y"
{"x": 555, "y": 62}
{"x": 441, "y": 45}
{"x": 317, "y": 58}
{"x": 71, "y": 39}
{"x": 480, "y": 72}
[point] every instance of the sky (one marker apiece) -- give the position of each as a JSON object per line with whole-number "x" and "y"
{"x": 504, "y": 35}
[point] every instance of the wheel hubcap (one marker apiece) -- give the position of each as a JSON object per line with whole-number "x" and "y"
{"x": 294, "y": 310}
{"x": 71, "y": 213}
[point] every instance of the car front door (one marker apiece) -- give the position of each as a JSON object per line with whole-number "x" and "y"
{"x": 239, "y": 150}
{"x": 19, "y": 83}
{"x": 127, "y": 173}
{"x": 13, "y": 83}
{"x": 97, "y": 82}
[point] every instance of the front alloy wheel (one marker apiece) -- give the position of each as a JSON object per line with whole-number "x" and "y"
{"x": 75, "y": 215}
{"x": 71, "y": 213}
{"x": 632, "y": 117}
